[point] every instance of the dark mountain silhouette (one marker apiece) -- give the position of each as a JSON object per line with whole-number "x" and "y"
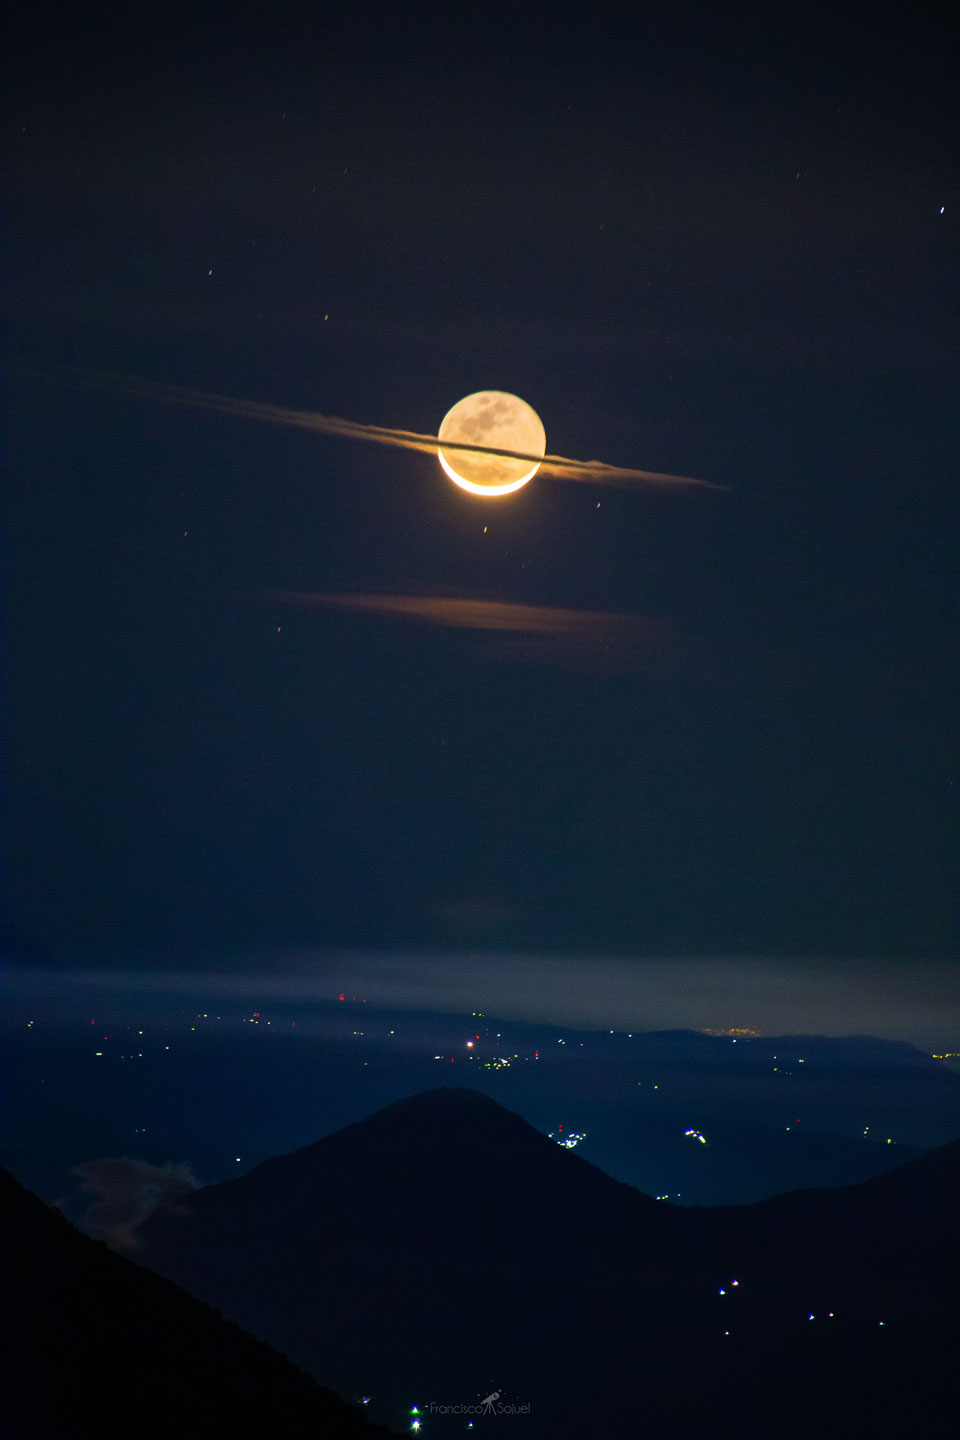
{"x": 772, "y": 1124}
{"x": 444, "y": 1248}
{"x": 95, "y": 1345}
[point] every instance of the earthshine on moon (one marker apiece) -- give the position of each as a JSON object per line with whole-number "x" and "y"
{"x": 495, "y": 419}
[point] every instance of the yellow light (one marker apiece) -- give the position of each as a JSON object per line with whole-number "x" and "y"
{"x": 474, "y": 489}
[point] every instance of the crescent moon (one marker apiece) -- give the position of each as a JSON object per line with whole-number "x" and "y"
{"x": 495, "y": 419}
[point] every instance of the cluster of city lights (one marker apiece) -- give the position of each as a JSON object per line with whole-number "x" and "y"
{"x": 496, "y": 1062}
{"x": 734, "y": 1031}
{"x": 571, "y": 1140}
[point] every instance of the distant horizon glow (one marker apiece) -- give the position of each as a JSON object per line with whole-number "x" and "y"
{"x": 771, "y": 997}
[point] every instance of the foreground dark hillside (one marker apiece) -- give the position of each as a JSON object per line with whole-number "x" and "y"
{"x": 95, "y": 1345}
{"x": 443, "y": 1249}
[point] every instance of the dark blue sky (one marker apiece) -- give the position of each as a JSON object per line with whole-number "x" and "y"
{"x": 709, "y": 242}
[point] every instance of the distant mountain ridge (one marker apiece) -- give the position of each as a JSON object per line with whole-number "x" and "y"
{"x": 444, "y": 1245}
{"x": 772, "y": 1124}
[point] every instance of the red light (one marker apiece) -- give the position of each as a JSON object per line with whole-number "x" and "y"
{"x": 256, "y": 1014}
{"x": 340, "y": 996}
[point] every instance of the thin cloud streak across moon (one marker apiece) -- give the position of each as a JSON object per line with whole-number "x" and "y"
{"x": 592, "y": 471}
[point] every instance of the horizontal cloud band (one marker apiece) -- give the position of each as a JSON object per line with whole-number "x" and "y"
{"x": 595, "y": 471}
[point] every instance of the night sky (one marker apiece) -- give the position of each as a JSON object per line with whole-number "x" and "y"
{"x": 251, "y": 707}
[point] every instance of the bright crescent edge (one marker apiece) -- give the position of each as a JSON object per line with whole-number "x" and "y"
{"x": 493, "y": 490}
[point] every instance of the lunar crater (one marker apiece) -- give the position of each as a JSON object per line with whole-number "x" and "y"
{"x": 497, "y": 419}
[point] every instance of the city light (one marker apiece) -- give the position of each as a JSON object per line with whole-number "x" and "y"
{"x": 570, "y": 1141}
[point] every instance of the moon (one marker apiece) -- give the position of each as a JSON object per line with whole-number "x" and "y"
{"x": 497, "y": 420}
